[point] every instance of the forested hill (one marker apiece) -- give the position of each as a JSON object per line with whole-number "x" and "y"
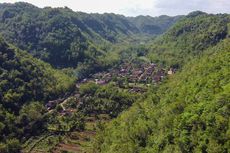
{"x": 184, "y": 110}
{"x": 25, "y": 85}
{"x": 189, "y": 37}
{"x": 154, "y": 25}
{"x": 65, "y": 38}
{"x": 190, "y": 111}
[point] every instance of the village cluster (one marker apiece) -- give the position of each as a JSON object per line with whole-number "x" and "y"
{"x": 137, "y": 76}
{"x": 145, "y": 73}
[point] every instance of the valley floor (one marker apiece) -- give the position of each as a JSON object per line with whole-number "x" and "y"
{"x": 129, "y": 78}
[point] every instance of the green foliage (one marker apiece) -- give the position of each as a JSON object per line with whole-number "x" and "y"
{"x": 154, "y": 26}
{"x": 66, "y": 123}
{"x": 11, "y": 146}
{"x": 31, "y": 117}
{"x": 88, "y": 88}
{"x": 65, "y": 38}
{"x": 187, "y": 113}
{"x": 106, "y": 99}
{"x": 24, "y": 80}
{"x": 188, "y": 38}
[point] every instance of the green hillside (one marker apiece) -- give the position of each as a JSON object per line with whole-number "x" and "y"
{"x": 26, "y": 84}
{"x": 190, "y": 111}
{"x": 65, "y": 38}
{"x": 189, "y": 37}
{"x": 78, "y": 82}
{"x": 154, "y": 26}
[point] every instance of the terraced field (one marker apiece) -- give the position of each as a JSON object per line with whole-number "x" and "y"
{"x": 72, "y": 142}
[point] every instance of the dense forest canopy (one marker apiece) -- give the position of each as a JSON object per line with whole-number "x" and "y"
{"x": 144, "y": 84}
{"x": 189, "y": 37}
{"x": 65, "y": 38}
{"x": 26, "y": 84}
{"x": 190, "y": 111}
{"x": 185, "y": 114}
